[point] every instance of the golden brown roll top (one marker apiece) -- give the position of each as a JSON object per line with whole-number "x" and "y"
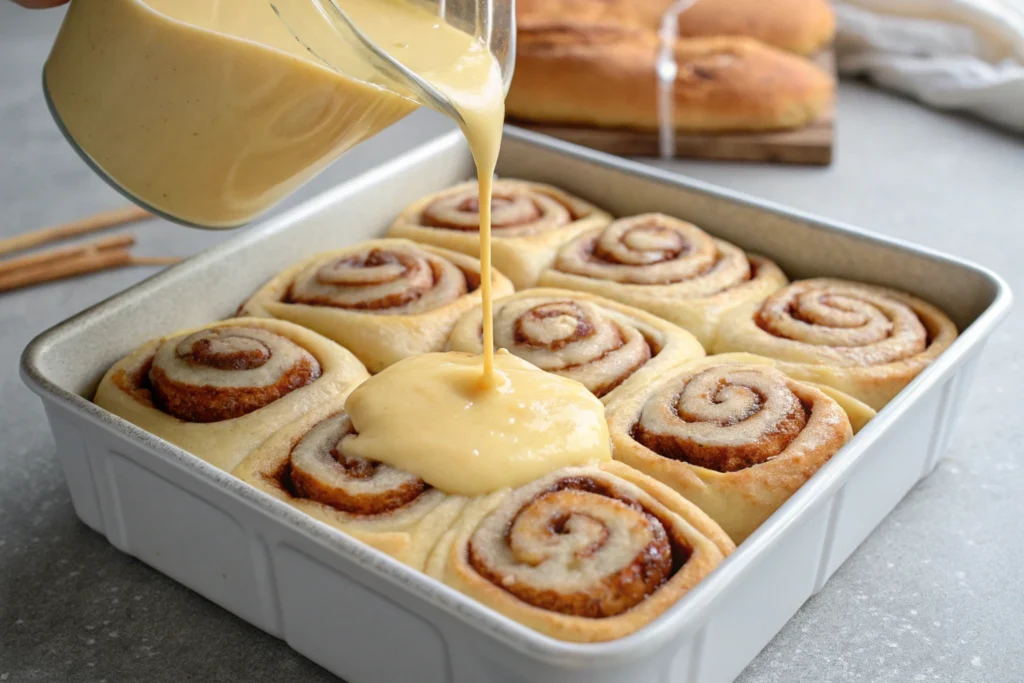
{"x": 529, "y": 222}
{"x": 736, "y": 439}
{"x": 665, "y": 266}
{"x": 801, "y": 26}
{"x": 604, "y": 345}
{"x": 604, "y": 74}
{"x": 584, "y": 554}
{"x": 219, "y": 391}
{"x": 383, "y": 299}
{"x": 866, "y": 341}
{"x": 308, "y": 466}
{"x": 536, "y": 15}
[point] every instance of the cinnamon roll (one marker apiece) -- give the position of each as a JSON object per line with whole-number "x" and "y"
{"x": 737, "y": 439}
{"x": 219, "y": 391}
{"x": 665, "y": 266}
{"x": 864, "y": 340}
{"x": 583, "y": 554}
{"x": 604, "y": 345}
{"x": 385, "y": 300}
{"x": 308, "y": 466}
{"x": 529, "y": 222}
{"x": 860, "y": 413}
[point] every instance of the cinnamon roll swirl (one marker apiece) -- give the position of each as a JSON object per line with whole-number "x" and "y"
{"x": 860, "y": 413}
{"x": 219, "y": 391}
{"x": 308, "y": 466}
{"x": 604, "y": 345}
{"x": 529, "y": 222}
{"x": 864, "y": 340}
{"x": 667, "y": 267}
{"x": 583, "y": 554}
{"x": 385, "y": 300}
{"x": 737, "y": 439}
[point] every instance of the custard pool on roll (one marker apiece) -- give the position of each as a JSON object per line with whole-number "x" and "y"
{"x": 433, "y": 416}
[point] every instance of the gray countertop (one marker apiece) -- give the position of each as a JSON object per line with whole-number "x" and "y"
{"x": 934, "y": 594}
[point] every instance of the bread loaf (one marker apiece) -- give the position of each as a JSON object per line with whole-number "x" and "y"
{"x": 603, "y": 74}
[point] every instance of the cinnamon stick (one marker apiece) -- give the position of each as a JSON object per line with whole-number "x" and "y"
{"x": 101, "y": 221}
{"x": 65, "y": 253}
{"x": 90, "y": 262}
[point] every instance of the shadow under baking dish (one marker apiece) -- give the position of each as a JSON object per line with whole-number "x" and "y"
{"x": 301, "y": 581}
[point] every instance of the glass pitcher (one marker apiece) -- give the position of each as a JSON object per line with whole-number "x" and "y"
{"x": 209, "y": 112}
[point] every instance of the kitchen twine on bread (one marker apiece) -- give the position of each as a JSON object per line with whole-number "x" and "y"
{"x": 667, "y": 69}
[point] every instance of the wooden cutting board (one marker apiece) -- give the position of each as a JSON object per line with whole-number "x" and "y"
{"x": 811, "y": 145}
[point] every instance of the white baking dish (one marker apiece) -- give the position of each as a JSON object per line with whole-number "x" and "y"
{"x": 367, "y": 618}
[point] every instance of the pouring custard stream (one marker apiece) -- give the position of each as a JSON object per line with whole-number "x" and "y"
{"x": 463, "y": 427}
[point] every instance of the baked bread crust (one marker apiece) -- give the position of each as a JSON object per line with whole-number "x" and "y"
{"x": 603, "y": 74}
{"x": 800, "y": 26}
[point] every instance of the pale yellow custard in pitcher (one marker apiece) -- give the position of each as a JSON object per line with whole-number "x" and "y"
{"x": 211, "y": 111}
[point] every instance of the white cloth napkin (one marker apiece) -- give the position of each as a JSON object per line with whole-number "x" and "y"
{"x": 965, "y": 55}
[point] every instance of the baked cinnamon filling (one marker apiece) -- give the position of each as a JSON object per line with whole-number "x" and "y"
{"x": 320, "y": 470}
{"x": 654, "y": 249}
{"x": 222, "y": 373}
{"x": 575, "y": 339}
{"x": 724, "y": 418}
{"x": 383, "y": 281}
{"x": 853, "y": 324}
{"x": 511, "y": 210}
{"x": 577, "y": 545}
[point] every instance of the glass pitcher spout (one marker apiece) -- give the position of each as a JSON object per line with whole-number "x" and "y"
{"x": 349, "y": 37}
